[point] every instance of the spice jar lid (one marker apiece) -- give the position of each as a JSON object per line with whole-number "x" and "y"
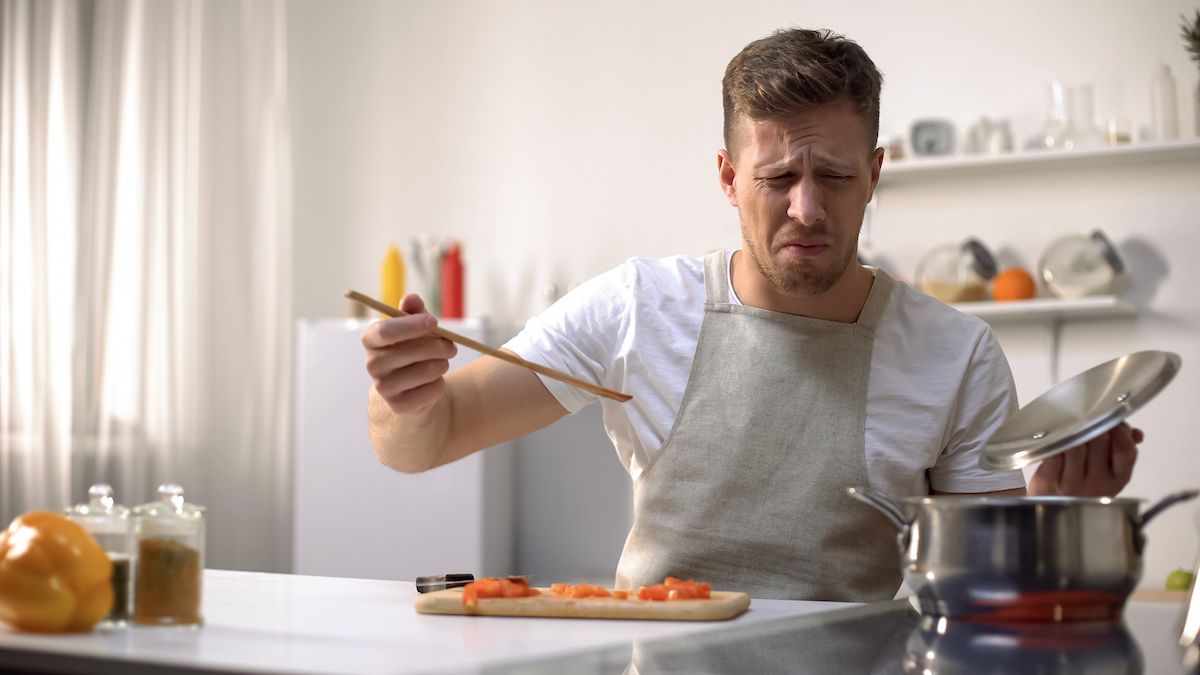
{"x": 1079, "y": 409}
{"x": 170, "y": 506}
{"x": 1108, "y": 251}
{"x": 982, "y": 260}
{"x": 101, "y": 513}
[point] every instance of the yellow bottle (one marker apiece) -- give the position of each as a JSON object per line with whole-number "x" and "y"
{"x": 391, "y": 277}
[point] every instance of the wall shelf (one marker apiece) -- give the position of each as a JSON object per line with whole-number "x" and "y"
{"x": 1049, "y": 309}
{"x": 919, "y": 169}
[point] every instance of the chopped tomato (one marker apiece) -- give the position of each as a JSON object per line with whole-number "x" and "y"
{"x": 655, "y": 592}
{"x": 620, "y": 595}
{"x": 579, "y": 591}
{"x": 496, "y": 588}
{"x": 674, "y": 589}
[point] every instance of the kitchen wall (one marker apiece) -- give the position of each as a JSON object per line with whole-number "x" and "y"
{"x": 557, "y": 139}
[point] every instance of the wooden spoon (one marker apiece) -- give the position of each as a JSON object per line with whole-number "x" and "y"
{"x": 492, "y": 351}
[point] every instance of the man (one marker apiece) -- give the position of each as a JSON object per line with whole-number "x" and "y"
{"x": 765, "y": 380}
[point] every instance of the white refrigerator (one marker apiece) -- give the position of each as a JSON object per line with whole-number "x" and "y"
{"x": 355, "y": 517}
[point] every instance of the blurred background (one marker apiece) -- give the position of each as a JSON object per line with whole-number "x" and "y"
{"x": 187, "y": 188}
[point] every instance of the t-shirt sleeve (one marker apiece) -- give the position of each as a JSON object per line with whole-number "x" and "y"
{"x": 579, "y": 335}
{"x": 986, "y": 397}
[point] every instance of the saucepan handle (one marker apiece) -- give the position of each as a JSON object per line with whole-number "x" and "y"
{"x": 881, "y": 503}
{"x": 1167, "y": 502}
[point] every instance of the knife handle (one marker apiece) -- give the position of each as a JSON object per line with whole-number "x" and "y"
{"x": 440, "y": 582}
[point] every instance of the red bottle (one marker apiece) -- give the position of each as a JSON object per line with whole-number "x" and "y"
{"x": 452, "y": 282}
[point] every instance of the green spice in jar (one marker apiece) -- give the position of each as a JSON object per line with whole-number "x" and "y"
{"x": 167, "y": 590}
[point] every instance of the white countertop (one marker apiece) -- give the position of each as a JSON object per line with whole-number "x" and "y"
{"x": 280, "y": 623}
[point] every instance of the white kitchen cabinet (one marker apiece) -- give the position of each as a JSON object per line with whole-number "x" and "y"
{"x": 355, "y": 517}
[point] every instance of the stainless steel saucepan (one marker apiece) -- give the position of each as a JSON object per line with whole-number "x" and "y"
{"x": 1020, "y": 558}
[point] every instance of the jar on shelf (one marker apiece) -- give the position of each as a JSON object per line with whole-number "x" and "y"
{"x": 1079, "y": 265}
{"x": 108, "y": 522}
{"x": 170, "y": 556}
{"x": 957, "y": 272}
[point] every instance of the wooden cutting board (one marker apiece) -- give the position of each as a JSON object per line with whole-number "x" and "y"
{"x": 722, "y": 605}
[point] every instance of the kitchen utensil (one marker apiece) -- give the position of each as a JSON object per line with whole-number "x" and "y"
{"x": 957, "y": 272}
{"x": 722, "y": 605}
{"x": 1075, "y": 266}
{"x": 1020, "y": 558}
{"x": 492, "y": 351}
{"x": 440, "y": 582}
{"x": 1079, "y": 409}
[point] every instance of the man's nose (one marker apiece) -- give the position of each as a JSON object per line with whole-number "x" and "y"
{"x": 807, "y": 202}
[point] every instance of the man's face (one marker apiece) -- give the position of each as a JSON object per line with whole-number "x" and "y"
{"x": 800, "y": 186}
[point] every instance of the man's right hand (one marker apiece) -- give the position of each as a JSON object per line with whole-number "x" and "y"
{"x": 407, "y": 359}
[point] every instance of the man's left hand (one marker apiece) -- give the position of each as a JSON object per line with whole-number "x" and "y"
{"x": 1099, "y": 468}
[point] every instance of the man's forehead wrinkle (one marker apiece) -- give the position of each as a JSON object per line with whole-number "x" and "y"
{"x": 791, "y": 148}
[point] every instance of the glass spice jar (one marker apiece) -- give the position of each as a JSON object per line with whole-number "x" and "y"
{"x": 108, "y": 522}
{"x": 170, "y": 554}
{"x": 957, "y": 272}
{"x": 1076, "y": 265}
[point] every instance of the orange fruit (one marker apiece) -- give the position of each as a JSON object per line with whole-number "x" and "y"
{"x": 1013, "y": 283}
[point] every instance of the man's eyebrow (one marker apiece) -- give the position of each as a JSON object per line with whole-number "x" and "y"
{"x": 820, "y": 160}
{"x": 773, "y": 167}
{"x": 829, "y": 161}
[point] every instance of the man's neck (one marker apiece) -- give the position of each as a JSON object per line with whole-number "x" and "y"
{"x": 843, "y": 302}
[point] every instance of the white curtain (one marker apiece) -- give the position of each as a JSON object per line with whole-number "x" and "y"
{"x": 144, "y": 242}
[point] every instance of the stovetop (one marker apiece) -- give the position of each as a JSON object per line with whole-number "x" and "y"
{"x": 892, "y": 637}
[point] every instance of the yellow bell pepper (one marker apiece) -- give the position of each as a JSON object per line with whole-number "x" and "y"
{"x": 54, "y": 576}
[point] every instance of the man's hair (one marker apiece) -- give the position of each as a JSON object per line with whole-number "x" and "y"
{"x": 793, "y": 70}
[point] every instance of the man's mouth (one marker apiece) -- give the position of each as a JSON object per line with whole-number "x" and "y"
{"x": 805, "y": 249}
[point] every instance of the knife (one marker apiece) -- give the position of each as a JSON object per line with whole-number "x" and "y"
{"x": 440, "y": 582}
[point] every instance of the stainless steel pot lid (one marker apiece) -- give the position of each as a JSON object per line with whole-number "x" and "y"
{"x": 1079, "y": 409}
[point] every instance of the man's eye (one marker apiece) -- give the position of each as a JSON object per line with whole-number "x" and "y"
{"x": 780, "y": 177}
{"x": 837, "y": 176}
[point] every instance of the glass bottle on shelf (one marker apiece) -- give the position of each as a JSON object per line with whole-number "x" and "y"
{"x": 957, "y": 272}
{"x": 1056, "y": 130}
{"x": 108, "y": 522}
{"x": 1085, "y": 133}
{"x": 170, "y": 554}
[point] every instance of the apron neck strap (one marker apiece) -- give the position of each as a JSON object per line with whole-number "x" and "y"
{"x": 716, "y": 288}
{"x": 877, "y": 299}
{"x": 716, "y": 278}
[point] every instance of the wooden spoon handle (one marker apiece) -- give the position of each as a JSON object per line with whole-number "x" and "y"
{"x": 492, "y": 351}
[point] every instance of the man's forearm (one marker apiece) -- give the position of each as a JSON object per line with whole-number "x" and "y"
{"x": 410, "y": 442}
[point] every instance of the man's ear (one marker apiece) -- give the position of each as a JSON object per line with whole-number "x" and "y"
{"x": 876, "y": 167}
{"x": 726, "y": 173}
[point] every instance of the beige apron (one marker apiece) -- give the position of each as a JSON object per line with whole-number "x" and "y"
{"x": 749, "y": 490}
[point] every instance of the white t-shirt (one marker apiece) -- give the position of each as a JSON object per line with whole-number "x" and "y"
{"x": 939, "y": 382}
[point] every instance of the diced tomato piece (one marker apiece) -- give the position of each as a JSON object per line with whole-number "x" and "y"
{"x": 674, "y": 589}
{"x": 496, "y": 588}
{"x": 620, "y": 595}
{"x": 655, "y": 592}
{"x": 590, "y": 591}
